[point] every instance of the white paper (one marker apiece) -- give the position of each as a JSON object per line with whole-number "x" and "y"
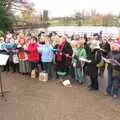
{"x": 112, "y": 61}
{"x": 66, "y": 82}
{"x": 85, "y": 60}
{"x": 3, "y": 59}
{"x": 106, "y": 60}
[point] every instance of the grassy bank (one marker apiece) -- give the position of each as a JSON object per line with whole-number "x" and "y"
{"x": 61, "y": 23}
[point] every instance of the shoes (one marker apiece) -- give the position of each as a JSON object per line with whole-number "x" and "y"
{"x": 92, "y": 89}
{"x": 81, "y": 83}
{"x": 115, "y": 96}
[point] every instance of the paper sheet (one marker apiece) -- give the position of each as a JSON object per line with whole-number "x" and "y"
{"x": 85, "y": 60}
{"x": 112, "y": 61}
{"x": 3, "y": 59}
{"x": 106, "y": 60}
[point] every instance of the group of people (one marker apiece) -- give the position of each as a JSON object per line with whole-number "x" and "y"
{"x": 73, "y": 58}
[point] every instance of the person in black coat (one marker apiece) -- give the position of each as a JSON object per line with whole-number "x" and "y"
{"x": 106, "y": 48}
{"x": 95, "y": 57}
{"x": 63, "y": 56}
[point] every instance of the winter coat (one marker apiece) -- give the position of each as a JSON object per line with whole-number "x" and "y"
{"x": 95, "y": 57}
{"x": 33, "y": 55}
{"x": 116, "y": 68}
{"x": 67, "y": 49}
{"x": 106, "y": 49}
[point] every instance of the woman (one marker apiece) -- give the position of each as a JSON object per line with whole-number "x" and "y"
{"x": 95, "y": 57}
{"x": 116, "y": 69}
{"x": 106, "y": 48}
{"x": 81, "y": 53}
{"x": 63, "y": 56}
{"x": 33, "y": 55}
{"x": 24, "y": 66}
{"x": 74, "y": 48}
{"x": 47, "y": 57}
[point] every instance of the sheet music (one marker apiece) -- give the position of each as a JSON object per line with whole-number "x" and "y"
{"x": 106, "y": 60}
{"x": 3, "y": 59}
{"x": 112, "y": 61}
{"x": 85, "y": 60}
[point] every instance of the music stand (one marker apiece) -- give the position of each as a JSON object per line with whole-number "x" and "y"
{"x": 3, "y": 62}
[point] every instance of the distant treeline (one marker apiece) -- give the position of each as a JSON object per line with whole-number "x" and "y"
{"x": 88, "y": 18}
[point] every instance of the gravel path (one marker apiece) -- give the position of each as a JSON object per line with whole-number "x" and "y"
{"x": 32, "y": 100}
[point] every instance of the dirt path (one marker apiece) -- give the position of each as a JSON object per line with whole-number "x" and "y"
{"x": 32, "y": 100}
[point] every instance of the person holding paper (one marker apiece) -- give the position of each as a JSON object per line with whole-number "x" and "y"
{"x": 109, "y": 72}
{"x": 105, "y": 48}
{"x": 81, "y": 53}
{"x": 116, "y": 70}
{"x": 95, "y": 57}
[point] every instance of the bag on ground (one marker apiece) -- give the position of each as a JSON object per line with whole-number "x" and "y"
{"x": 33, "y": 74}
{"x": 43, "y": 76}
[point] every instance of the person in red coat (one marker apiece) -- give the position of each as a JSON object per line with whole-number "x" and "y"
{"x": 33, "y": 55}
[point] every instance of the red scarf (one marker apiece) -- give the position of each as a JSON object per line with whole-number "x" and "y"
{"x": 60, "y": 49}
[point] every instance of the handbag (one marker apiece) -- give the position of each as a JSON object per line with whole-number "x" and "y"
{"x": 101, "y": 64}
{"x": 15, "y": 59}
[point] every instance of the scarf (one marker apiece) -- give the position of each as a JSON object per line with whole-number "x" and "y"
{"x": 60, "y": 49}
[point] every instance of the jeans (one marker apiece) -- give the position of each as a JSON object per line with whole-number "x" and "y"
{"x": 116, "y": 82}
{"x": 110, "y": 82}
{"x": 47, "y": 66}
{"x": 78, "y": 75}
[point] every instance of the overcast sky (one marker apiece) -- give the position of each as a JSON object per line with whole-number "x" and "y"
{"x": 68, "y": 7}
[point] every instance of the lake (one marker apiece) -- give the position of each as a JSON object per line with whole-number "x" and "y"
{"x": 113, "y": 31}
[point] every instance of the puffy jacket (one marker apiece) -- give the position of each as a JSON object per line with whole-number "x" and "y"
{"x": 33, "y": 55}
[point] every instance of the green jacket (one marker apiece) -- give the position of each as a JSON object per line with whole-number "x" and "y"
{"x": 81, "y": 53}
{"x": 74, "y": 53}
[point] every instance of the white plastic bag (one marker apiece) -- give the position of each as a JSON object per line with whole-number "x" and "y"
{"x": 33, "y": 74}
{"x": 43, "y": 76}
{"x": 15, "y": 59}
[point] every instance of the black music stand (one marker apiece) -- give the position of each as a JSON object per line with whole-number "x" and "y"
{"x": 3, "y": 62}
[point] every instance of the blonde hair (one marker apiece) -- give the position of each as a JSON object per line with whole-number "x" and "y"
{"x": 81, "y": 43}
{"x": 73, "y": 43}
